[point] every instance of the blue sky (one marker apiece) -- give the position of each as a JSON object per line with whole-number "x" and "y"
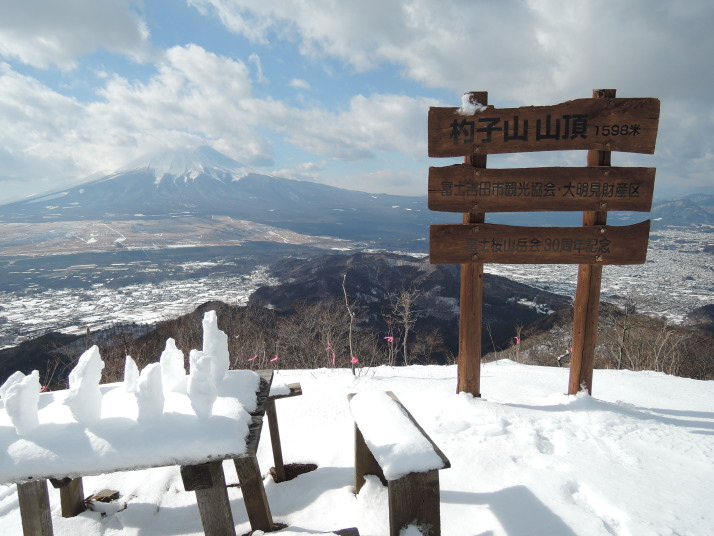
{"x": 333, "y": 92}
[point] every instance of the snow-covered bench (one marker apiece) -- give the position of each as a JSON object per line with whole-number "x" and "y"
{"x": 390, "y": 444}
{"x": 63, "y": 450}
{"x": 158, "y": 417}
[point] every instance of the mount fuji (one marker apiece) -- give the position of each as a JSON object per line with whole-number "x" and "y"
{"x": 204, "y": 183}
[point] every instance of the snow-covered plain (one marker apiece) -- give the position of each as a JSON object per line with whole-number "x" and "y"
{"x": 526, "y": 459}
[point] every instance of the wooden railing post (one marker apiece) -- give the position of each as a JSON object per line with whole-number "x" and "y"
{"x": 471, "y": 296}
{"x": 587, "y": 294}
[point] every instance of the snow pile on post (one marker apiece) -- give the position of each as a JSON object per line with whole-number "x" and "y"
{"x": 201, "y": 385}
{"x": 150, "y": 394}
{"x": 131, "y": 375}
{"x": 85, "y": 398}
{"x": 215, "y": 344}
{"x": 21, "y": 400}
{"x": 173, "y": 373}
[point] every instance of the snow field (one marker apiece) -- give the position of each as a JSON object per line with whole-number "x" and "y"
{"x": 526, "y": 459}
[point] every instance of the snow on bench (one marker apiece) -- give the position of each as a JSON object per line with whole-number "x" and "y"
{"x": 157, "y": 417}
{"x": 390, "y": 444}
{"x": 62, "y": 447}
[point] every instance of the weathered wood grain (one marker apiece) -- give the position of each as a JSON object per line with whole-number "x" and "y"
{"x": 415, "y": 499}
{"x": 587, "y": 293}
{"x": 35, "y": 508}
{"x": 607, "y": 124}
{"x": 507, "y": 244}
{"x": 256, "y": 502}
{"x": 465, "y": 188}
{"x": 471, "y": 292}
{"x": 213, "y": 503}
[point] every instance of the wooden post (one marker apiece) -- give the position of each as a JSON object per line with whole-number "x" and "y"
{"x": 35, "y": 508}
{"x": 471, "y": 308}
{"x": 208, "y": 482}
{"x": 365, "y": 464}
{"x": 256, "y": 502}
{"x": 587, "y": 294}
{"x": 71, "y": 495}
{"x": 415, "y": 498}
{"x": 275, "y": 440}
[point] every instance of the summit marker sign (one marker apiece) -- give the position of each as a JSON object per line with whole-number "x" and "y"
{"x": 598, "y": 125}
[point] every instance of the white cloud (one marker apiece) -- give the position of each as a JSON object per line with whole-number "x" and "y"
{"x": 298, "y": 83}
{"x": 378, "y": 123}
{"x": 259, "y": 75}
{"x": 45, "y": 33}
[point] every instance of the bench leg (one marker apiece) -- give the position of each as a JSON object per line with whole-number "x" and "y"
{"x": 256, "y": 502}
{"x": 365, "y": 464}
{"x": 415, "y": 499}
{"x": 71, "y": 495}
{"x": 35, "y": 508}
{"x": 209, "y": 483}
{"x": 275, "y": 440}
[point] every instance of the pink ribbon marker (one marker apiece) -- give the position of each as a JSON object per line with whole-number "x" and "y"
{"x": 274, "y": 359}
{"x": 333, "y": 358}
{"x": 354, "y": 360}
{"x": 389, "y": 339}
{"x": 44, "y": 388}
{"x": 253, "y": 358}
{"x": 518, "y": 340}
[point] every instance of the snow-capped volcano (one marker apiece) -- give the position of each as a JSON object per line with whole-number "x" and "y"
{"x": 203, "y": 183}
{"x": 189, "y": 164}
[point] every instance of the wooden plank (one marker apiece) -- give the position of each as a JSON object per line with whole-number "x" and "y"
{"x": 587, "y": 293}
{"x": 35, "y": 508}
{"x": 507, "y": 244}
{"x": 415, "y": 499}
{"x": 256, "y": 425}
{"x": 209, "y": 483}
{"x": 586, "y": 124}
{"x": 256, "y": 502}
{"x": 275, "y": 440}
{"x": 464, "y": 188}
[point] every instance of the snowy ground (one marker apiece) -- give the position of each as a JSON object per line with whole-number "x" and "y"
{"x": 526, "y": 459}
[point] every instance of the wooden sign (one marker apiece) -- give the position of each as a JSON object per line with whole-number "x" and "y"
{"x": 607, "y": 124}
{"x": 464, "y": 188}
{"x": 507, "y": 244}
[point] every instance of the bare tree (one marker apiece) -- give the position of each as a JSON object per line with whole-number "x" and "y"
{"x": 405, "y": 313}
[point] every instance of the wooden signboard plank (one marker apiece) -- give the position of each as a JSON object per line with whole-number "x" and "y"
{"x": 507, "y": 244}
{"x": 464, "y": 188}
{"x": 609, "y": 124}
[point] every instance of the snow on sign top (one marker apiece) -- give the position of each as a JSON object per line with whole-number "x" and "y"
{"x": 397, "y": 445}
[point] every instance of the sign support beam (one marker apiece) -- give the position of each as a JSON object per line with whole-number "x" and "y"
{"x": 471, "y": 299}
{"x": 587, "y": 294}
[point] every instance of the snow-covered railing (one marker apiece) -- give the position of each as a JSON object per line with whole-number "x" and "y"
{"x": 390, "y": 444}
{"x": 158, "y": 417}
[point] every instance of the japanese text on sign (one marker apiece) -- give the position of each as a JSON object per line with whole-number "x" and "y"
{"x": 595, "y": 189}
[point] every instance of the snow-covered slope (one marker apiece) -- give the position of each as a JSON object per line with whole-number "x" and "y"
{"x": 526, "y": 459}
{"x": 188, "y": 164}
